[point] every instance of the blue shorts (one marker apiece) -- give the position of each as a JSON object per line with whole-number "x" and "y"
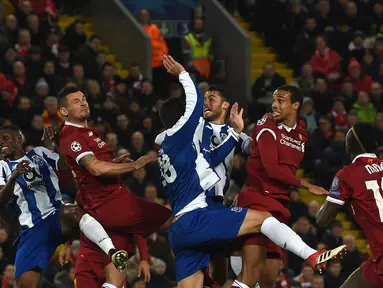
{"x": 38, "y": 244}
{"x": 215, "y": 202}
{"x": 197, "y": 234}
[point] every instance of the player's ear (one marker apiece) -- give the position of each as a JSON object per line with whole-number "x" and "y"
{"x": 63, "y": 111}
{"x": 225, "y": 105}
{"x": 296, "y": 106}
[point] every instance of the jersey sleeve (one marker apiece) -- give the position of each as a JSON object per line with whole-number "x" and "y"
{"x": 75, "y": 146}
{"x": 217, "y": 155}
{"x": 340, "y": 192}
{"x": 51, "y": 157}
{"x": 184, "y": 129}
{"x": 245, "y": 142}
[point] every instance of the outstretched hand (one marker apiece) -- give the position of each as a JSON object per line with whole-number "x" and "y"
{"x": 144, "y": 160}
{"x": 236, "y": 118}
{"x": 172, "y": 66}
{"x": 317, "y": 190}
{"x": 49, "y": 133}
{"x": 124, "y": 158}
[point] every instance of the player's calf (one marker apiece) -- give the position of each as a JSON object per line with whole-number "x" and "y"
{"x": 29, "y": 279}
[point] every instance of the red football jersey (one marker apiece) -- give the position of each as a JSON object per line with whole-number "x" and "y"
{"x": 276, "y": 155}
{"x": 360, "y": 185}
{"x": 77, "y": 142}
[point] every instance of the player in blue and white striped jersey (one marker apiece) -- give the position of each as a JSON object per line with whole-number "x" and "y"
{"x": 217, "y": 102}
{"x": 187, "y": 173}
{"x": 29, "y": 180}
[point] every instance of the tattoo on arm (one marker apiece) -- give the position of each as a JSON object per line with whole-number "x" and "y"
{"x": 85, "y": 161}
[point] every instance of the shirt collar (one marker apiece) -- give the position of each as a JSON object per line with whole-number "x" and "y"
{"x": 365, "y": 155}
{"x": 281, "y": 125}
{"x": 73, "y": 124}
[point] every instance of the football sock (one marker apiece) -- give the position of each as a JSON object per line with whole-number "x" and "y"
{"x": 93, "y": 230}
{"x": 236, "y": 264}
{"x": 283, "y": 236}
{"x": 239, "y": 284}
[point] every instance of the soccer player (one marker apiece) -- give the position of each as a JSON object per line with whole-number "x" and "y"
{"x": 29, "y": 180}
{"x": 217, "y": 102}
{"x": 101, "y": 191}
{"x": 186, "y": 174}
{"x": 278, "y": 148}
{"x": 360, "y": 186}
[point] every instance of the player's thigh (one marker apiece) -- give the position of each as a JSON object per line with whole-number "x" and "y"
{"x": 29, "y": 279}
{"x": 113, "y": 276}
{"x": 270, "y": 272}
{"x": 70, "y": 216}
{"x": 193, "y": 281}
{"x": 357, "y": 280}
{"x": 253, "y": 222}
{"x": 89, "y": 274}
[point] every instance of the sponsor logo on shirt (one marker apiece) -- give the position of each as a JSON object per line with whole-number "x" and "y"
{"x": 75, "y": 146}
{"x": 236, "y": 209}
{"x": 335, "y": 183}
{"x": 38, "y": 160}
{"x": 334, "y": 193}
{"x": 293, "y": 143}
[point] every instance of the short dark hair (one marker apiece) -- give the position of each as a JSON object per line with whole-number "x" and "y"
{"x": 365, "y": 137}
{"x": 171, "y": 111}
{"x": 10, "y": 128}
{"x": 295, "y": 94}
{"x": 223, "y": 91}
{"x": 68, "y": 89}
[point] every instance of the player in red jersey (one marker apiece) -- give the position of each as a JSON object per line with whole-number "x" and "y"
{"x": 278, "y": 148}
{"x": 360, "y": 186}
{"x": 101, "y": 192}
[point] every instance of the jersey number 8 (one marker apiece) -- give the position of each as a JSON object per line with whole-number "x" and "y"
{"x": 168, "y": 173}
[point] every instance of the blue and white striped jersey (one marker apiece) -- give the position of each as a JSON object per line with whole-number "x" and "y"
{"x": 213, "y": 135}
{"x": 36, "y": 193}
{"x": 185, "y": 171}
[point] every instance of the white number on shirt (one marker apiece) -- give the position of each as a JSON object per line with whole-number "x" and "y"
{"x": 374, "y": 186}
{"x": 168, "y": 172}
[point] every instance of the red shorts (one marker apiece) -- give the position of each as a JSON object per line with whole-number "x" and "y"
{"x": 89, "y": 274}
{"x": 128, "y": 214}
{"x": 253, "y": 199}
{"x": 372, "y": 270}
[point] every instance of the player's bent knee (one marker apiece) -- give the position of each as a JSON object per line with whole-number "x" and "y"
{"x": 29, "y": 279}
{"x": 253, "y": 222}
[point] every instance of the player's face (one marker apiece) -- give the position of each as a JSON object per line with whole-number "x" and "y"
{"x": 282, "y": 106}
{"x": 77, "y": 107}
{"x": 214, "y": 106}
{"x": 8, "y": 144}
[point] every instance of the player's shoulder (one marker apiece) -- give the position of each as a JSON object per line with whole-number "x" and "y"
{"x": 3, "y": 164}
{"x": 265, "y": 123}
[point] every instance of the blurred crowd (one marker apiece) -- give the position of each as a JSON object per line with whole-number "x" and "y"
{"x": 335, "y": 47}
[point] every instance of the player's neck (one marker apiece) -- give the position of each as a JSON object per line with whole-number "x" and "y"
{"x": 218, "y": 121}
{"x": 289, "y": 122}
{"x": 82, "y": 123}
{"x": 18, "y": 154}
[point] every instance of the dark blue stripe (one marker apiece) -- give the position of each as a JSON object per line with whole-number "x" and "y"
{"x": 29, "y": 196}
{"x": 50, "y": 161}
{"x": 45, "y": 173}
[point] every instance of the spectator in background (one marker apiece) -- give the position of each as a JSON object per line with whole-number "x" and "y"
{"x": 22, "y": 13}
{"x": 353, "y": 258}
{"x": 63, "y": 64}
{"x": 35, "y": 133}
{"x": 87, "y": 57}
{"x": 359, "y": 81}
{"x": 9, "y": 32}
{"x": 326, "y": 60}
{"x": 75, "y": 36}
{"x": 148, "y": 97}
{"x": 305, "y": 81}
{"x": 159, "y": 48}
{"x": 305, "y": 276}
{"x": 34, "y": 64}
{"x": 334, "y": 275}
{"x": 37, "y": 35}
{"x": 135, "y": 78}
{"x": 24, "y": 43}
{"x": 19, "y": 78}
{"x": 51, "y": 113}
{"x": 55, "y": 82}
{"x": 8, "y": 60}
{"x": 42, "y": 91}
{"x": 352, "y": 118}
{"x": 356, "y": 46}
{"x": 365, "y": 109}
{"x": 376, "y": 96}
{"x": 137, "y": 148}
{"x": 138, "y": 181}
{"x": 23, "y": 114}
{"x": 297, "y": 208}
{"x": 339, "y": 115}
{"x": 79, "y": 77}
{"x": 348, "y": 95}
{"x": 9, "y": 280}
{"x": 322, "y": 96}
{"x": 318, "y": 282}
{"x": 309, "y": 114}
{"x": 197, "y": 51}
{"x": 334, "y": 238}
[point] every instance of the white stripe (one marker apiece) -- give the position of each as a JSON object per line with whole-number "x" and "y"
{"x": 82, "y": 155}
{"x": 264, "y": 130}
{"x": 334, "y": 200}
{"x": 191, "y": 102}
{"x": 25, "y": 217}
{"x": 365, "y": 155}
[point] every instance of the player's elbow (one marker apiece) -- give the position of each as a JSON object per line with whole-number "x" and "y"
{"x": 95, "y": 169}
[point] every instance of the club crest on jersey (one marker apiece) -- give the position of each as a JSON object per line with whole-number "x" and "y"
{"x": 236, "y": 209}
{"x": 75, "y": 146}
{"x": 261, "y": 121}
{"x": 335, "y": 183}
{"x": 38, "y": 160}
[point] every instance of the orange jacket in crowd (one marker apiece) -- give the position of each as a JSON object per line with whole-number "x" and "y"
{"x": 159, "y": 47}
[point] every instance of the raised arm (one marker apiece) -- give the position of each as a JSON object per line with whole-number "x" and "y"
{"x": 246, "y": 142}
